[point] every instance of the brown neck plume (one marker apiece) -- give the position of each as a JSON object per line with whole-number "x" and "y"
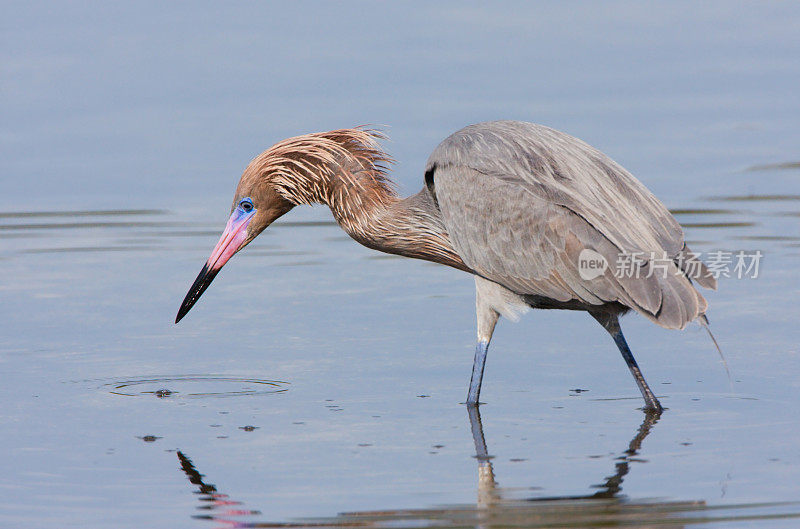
{"x": 347, "y": 171}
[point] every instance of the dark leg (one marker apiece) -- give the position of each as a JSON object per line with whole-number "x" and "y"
{"x": 477, "y": 373}
{"x": 610, "y": 322}
{"x": 650, "y": 400}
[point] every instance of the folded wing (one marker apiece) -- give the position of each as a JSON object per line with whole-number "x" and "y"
{"x": 521, "y": 202}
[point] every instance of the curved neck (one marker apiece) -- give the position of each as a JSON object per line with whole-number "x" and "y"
{"x": 375, "y": 217}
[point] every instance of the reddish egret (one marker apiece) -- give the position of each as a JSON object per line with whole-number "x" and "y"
{"x": 539, "y": 218}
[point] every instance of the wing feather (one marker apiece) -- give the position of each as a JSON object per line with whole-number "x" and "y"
{"x": 564, "y": 170}
{"x": 521, "y": 201}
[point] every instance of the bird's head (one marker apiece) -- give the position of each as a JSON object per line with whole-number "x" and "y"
{"x": 256, "y": 205}
{"x": 295, "y": 171}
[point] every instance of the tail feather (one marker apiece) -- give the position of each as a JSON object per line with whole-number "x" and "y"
{"x": 680, "y": 302}
{"x": 695, "y": 269}
{"x": 673, "y": 314}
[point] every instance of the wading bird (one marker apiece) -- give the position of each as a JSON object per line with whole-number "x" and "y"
{"x": 518, "y": 205}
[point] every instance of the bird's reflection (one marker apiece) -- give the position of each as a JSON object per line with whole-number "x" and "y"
{"x": 490, "y": 502}
{"x": 489, "y": 494}
{"x": 215, "y": 505}
{"x": 487, "y": 485}
{"x": 613, "y": 484}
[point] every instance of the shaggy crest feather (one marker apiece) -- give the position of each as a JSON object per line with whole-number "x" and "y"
{"x": 320, "y": 167}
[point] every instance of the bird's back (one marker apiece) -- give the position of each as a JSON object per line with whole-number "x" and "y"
{"x": 522, "y": 201}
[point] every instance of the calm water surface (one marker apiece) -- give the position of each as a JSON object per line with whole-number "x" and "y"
{"x": 318, "y": 382}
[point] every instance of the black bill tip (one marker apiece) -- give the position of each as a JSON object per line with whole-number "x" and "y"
{"x": 204, "y": 278}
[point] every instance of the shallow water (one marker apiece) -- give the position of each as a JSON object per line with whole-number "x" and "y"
{"x": 318, "y": 382}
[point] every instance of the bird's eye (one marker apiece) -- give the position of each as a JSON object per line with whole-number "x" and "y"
{"x": 246, "y": 205}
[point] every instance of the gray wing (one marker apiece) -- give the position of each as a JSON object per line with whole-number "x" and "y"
{"x": 521, "y": 201}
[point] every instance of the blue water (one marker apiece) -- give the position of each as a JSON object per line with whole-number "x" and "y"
{"x": 317, "y": 377}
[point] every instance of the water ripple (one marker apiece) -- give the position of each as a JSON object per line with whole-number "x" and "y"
{"x": 194, "y": 386}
